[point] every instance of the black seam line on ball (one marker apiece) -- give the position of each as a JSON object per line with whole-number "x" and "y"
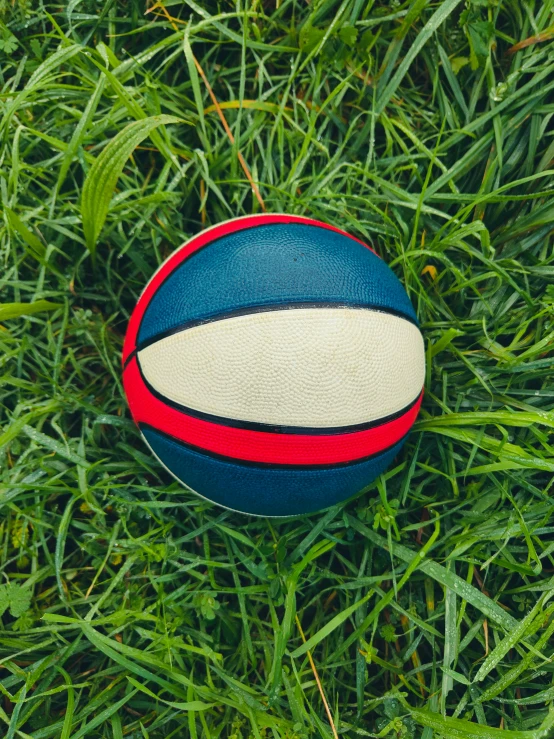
{"x": 270, "y": 308}
{"x": 270, "y": 428}
{"x": 248, "y": 228}
{"x": 131, "y": 355}
{"x": 266, "y": 465}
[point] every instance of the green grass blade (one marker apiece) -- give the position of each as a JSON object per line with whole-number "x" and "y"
{"x": 36, "y": 246}
{"x": 455, "y": 728}
{"x": 333, "y": 624}
{"x": 509, "y": 642}
{"x": 180, "y": 706}
{"x": 16, "y": 310}
{"x": 68, "y": 717}
{"x": 60, "y": 546}
{"x": 103, "y": 716}
{"x": 450, "y": 642}
{"x": 54, "y": 61}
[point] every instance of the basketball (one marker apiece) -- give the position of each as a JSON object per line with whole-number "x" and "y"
{"x": 274, "y": 365}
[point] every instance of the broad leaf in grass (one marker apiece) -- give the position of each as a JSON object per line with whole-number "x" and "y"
{"x": 20, "y": 600}
{"x": 480, "y": 35}
{"x": 8, "y": 42}
{"x": 103, "y": 175}
{"x": 16, "y": 598}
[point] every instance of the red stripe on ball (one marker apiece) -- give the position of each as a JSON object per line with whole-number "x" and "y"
{"x": 260, "y": 446}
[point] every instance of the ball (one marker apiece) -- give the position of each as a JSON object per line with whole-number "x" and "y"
{"x": 274, "y": 365}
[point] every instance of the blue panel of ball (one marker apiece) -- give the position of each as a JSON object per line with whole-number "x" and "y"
{"x": 273, "y": 264}
{"x": 280, "y": 491}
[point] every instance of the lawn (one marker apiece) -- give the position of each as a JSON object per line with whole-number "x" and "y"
{"x": 129, "y": 607}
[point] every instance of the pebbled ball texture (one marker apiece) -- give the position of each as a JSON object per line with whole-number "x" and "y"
{"x": 274, "y": 365}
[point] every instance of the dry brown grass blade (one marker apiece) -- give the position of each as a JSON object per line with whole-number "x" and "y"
{"x": 229, "y": 133}
{"x": 243, "y": 164}
{"x": 545, "y": 35}
{"x": 318, "y": 681}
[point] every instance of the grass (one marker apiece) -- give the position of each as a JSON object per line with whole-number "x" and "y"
{"x": 131, "y": 608}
